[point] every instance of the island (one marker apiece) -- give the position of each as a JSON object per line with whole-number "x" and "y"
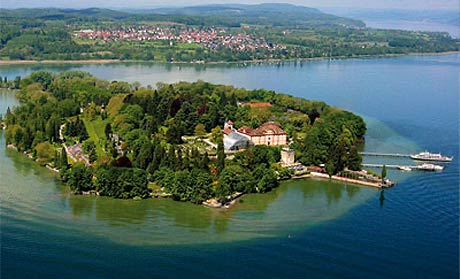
{"x": 201, "y": 34}
{"x": 196, "y": 142}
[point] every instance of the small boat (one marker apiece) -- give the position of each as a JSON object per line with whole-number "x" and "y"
{"x": 430, "y": 167}
{"x": 404, "y": 168}
{"x": 427, "y": 156}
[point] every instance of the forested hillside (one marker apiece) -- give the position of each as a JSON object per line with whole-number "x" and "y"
{"x": 215, "y": 33}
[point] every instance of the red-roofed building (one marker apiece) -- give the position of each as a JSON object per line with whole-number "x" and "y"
{"x": 270, "y": 133}
{"x": 260, "y": 105}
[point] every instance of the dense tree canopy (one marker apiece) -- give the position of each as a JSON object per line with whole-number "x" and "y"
{"x": 132, "y": 135}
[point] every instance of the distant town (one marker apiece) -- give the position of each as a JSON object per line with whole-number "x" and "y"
{"x": 208, "y": 37}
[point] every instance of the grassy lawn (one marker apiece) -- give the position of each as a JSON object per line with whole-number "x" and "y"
{"x": 188, "y": 46}
{"x": 96, "y": 133}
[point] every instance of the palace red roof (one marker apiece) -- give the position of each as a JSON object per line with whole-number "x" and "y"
{"x": 260, "y": 105}
{"x": 268, "y": 128}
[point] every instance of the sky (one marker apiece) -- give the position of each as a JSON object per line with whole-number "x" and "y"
{"x": 133, "y": 4}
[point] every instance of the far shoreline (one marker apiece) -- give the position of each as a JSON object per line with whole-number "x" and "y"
{"x": 109, "y": 61}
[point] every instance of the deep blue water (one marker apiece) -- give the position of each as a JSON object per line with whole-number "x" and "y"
{"x": 410, "y": 103}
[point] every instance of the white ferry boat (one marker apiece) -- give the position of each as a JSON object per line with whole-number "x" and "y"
{"x": 404, "y": 168}
{"x": 427, "y": 156}
{"x": 430, "y": 167}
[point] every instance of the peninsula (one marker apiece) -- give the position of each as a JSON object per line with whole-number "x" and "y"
{"x": 190, "y": 141}
{"x": 202, "y": 34}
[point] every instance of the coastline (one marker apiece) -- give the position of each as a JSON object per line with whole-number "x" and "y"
{"x": 89, "y": 61}
{"x": 213, "y": 203}
{"x": 108, "y": 61}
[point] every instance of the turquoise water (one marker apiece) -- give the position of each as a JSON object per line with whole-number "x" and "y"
{"x": 308, "y": 228}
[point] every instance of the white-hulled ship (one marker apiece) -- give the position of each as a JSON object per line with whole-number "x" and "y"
{"x": 427, "y": 156}
{"x": 430, "y": 167}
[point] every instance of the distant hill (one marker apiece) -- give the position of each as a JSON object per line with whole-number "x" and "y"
{"x": 239, "y": 10}
{"x": 231, "y": 15}
{"x": 264, "y": 14}
{"x": 55, "y": 14}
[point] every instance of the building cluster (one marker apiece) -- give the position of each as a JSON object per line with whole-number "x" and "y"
{"x": 209, "y": 37}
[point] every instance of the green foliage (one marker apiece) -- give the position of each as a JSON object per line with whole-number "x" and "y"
{"x": 45, "y": 152}
{"x": 220, "y": 156}
{"x": 122, "y": 183}
{"x": 76, "y": 129}
{"x": 234, "y": 179}
{"x": 334, "y": 139}
{"x": 216, "y": 134}
{"x": 184, "y": 185}
{"x": 43, "y": 77}
{"x": 200, "y": 130}
{"x": 267, "y": 182}
{"x": 90, "y": 112}
{"x": 80, "y": 178}
{"x": 306, "y": 33}
{"x": 384, "y": 173}
{"x": 150, "y": 125}
{"x": 63, "y": 160}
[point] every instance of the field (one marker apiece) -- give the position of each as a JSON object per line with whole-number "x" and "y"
{"x": 96, "y": 133}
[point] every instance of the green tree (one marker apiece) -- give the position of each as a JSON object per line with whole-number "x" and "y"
{"x": 108, "y": 130}
{"x": 80, "y": 178}
{"x": 200, "y": 130}
{"x": 63, "y": 161}
{"x": 92, "y": 156}
{"x": 43, "y": 77}
{"x": 267, "y": 182}
{"x": 17, "y": 82}
{"x": 330, "y": 168}
{"x": 45, "y": 152}
{"x": 384, "y": 173}
{"x": 216, "y": 134}
{"x": 202, "y": 186}
{"x": 173, "y": 135}
{"x": 354, "y": 159}
{"x": 204, "y": 162}
{"x": 234, "y": 179}
{"x": 220, "y": 156}
{"x": 90, "y": 111}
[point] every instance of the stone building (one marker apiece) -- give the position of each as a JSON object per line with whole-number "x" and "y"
{"x": 287, "y": 156}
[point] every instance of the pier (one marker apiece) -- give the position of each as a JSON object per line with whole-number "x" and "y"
{"x": 424, "y": 167}
{"x": 384, "y": 154}
{"x": 387, "y": 166}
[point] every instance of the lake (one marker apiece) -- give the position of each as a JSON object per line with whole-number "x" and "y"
{"x": 305, "y": 228}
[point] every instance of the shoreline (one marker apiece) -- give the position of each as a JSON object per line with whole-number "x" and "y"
{"x": 109, "y": 61}
{"x": 215, "y": 204}
{"x": 89, "y": 61}
{"x": 231, "y": 200}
